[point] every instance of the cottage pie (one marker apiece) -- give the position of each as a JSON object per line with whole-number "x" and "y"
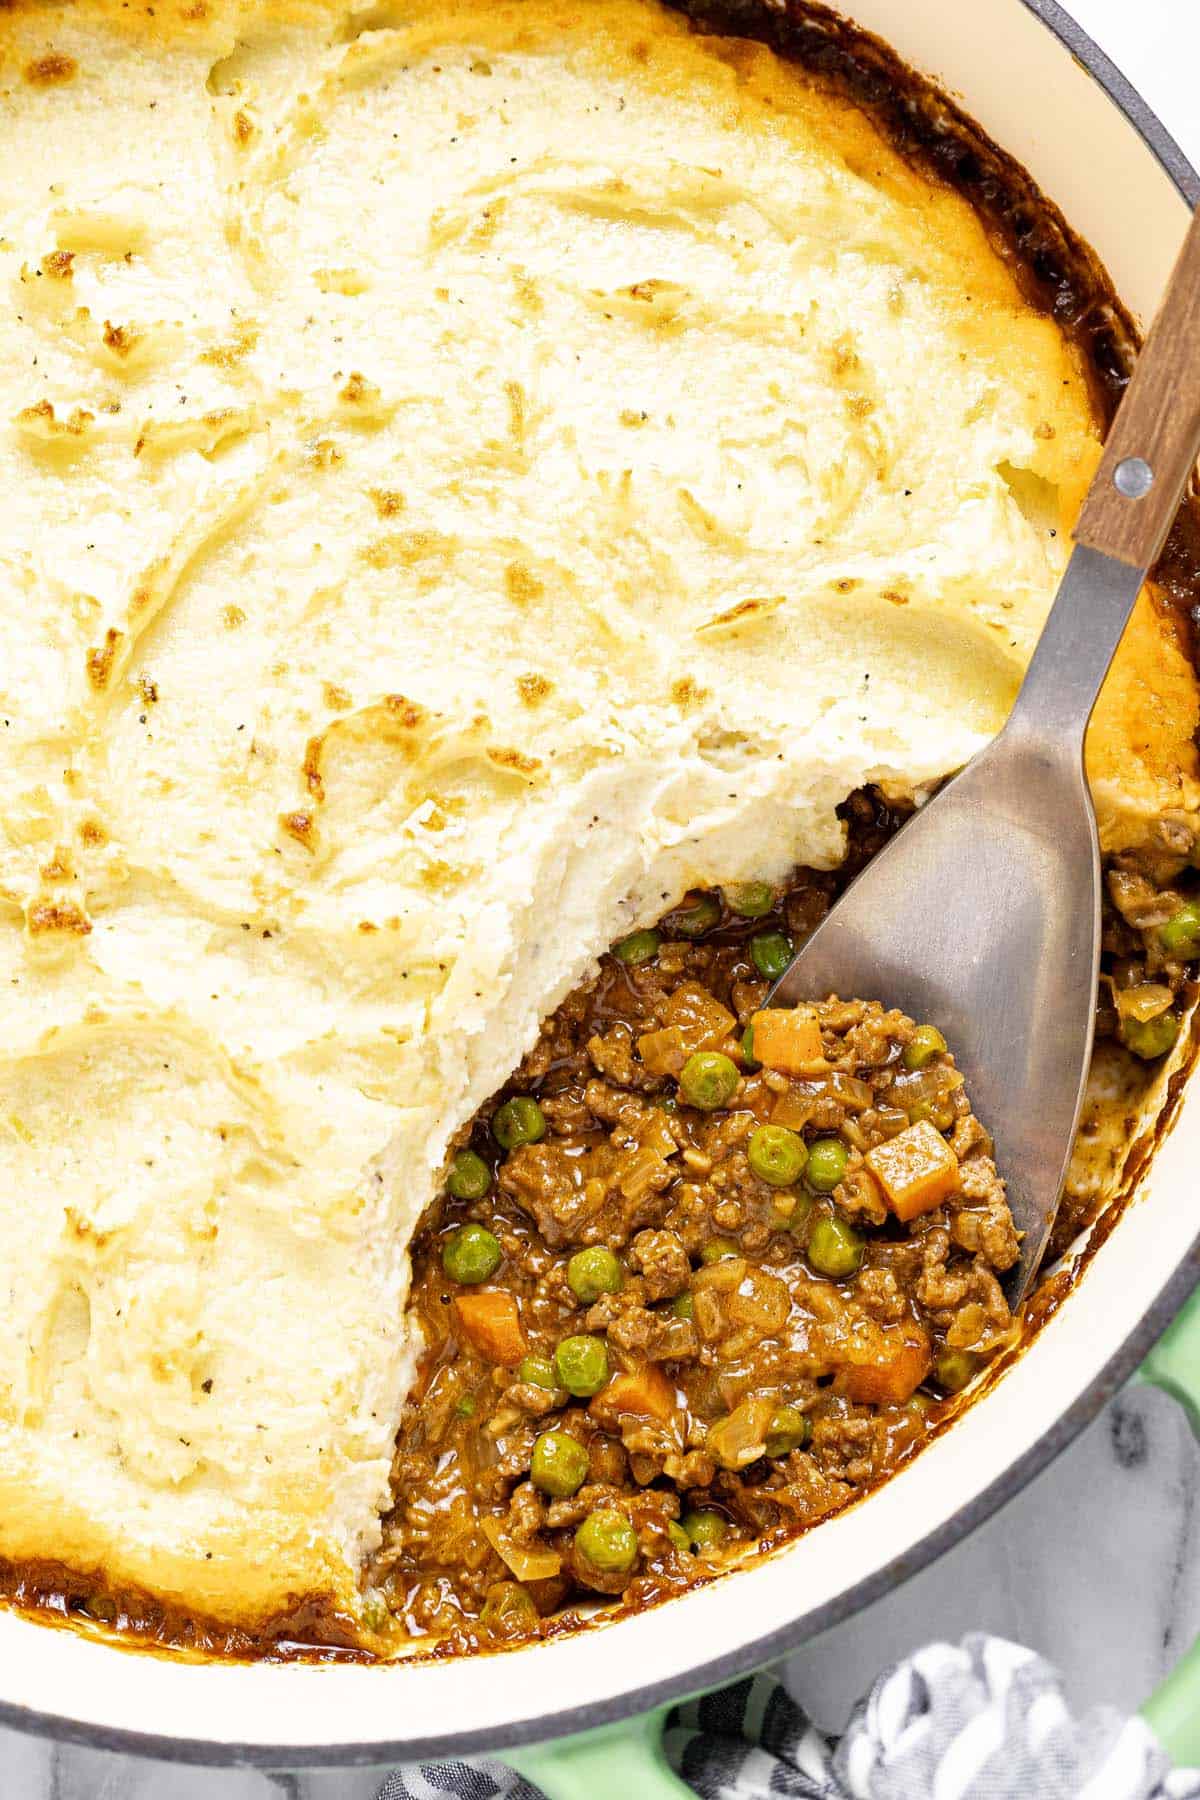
{"x": 476, "y": 479}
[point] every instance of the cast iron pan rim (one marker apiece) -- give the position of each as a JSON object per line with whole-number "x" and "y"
{"x": 720, "y": 1669}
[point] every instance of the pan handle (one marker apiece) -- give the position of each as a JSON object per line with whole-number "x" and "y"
{"x": 1173, "y": 1709}
{"x": 624, "y": 1761}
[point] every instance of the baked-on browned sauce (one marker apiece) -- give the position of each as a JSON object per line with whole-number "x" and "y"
{"x": 699, "y": 1276}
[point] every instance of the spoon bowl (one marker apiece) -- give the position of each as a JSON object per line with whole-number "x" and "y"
{"x": 983, "y": 913}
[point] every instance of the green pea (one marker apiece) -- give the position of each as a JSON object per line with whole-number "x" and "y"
{"x": 465, "y": 1408}
{"x": 508, "y": 1611}
{"x": 708, "y": 1080}
{"x": 375, "y": 1613}
{"x": 717, "y": 1249}
{"x": 771, "y": 953}
{"x": 581, "y": 1364}
{"x": 679, "y": 1537}
{"x": 750, "y": 899}
{"x": 748, "y": 1056}
{"x": 469, "y": 1177}
{"x": 1149, "y": 1038}
{"x": 683, "y": 1306}
{"x": 593, "y": 1272}
{"x": 538, "y": 1371}
{"x": 470, "y": 1255}
{"x": 776, "y": 1155}
{"x": 560, "y": 1464}
{"x": 925, "y": 1043}
{"x": 704, "y": 1530}
{"x": 789, "y": 1430}
{"x": 954, "y": 1368}
{"x": 637, "y": 948}
{"x": 1180, "y": 936}
{"x": 608, "y": 1541}
{"x": 519, "y": 1121}
{"x": 834, "y": 1248}
{"x": 698, "y": 914}
{"x": 827, "y": 1161}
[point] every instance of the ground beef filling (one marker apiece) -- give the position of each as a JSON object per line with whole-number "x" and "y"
{"x": 698, "y": 1278}
{"x": 1151, "y": 941}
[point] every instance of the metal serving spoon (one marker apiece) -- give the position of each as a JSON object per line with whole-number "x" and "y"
{"x": 983, "y": 913}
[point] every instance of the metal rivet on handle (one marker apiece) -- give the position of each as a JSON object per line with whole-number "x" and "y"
{"x": 1133, "y": 477}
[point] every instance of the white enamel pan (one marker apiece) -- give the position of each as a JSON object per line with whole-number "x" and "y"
{"x": 1044, "y": 92}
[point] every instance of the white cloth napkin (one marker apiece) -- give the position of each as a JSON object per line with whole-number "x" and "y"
{"x": 982, "y": 1720}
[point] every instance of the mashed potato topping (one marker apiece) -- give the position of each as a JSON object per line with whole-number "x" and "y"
{"x": 466, "y": 474}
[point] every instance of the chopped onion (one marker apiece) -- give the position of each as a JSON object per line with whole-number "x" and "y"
{"x": 526, "y": 1562}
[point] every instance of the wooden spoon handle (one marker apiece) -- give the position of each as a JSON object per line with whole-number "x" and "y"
{"x": 1155, "y": 438}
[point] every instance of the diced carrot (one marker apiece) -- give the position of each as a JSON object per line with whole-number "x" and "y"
{"x": 895, "y": 1377}
{"x": 491, "y": 1323}
{"x": 788, "y": 1039}
{"x": 645, "y": 1392}
{"x": 916, "y": 1169}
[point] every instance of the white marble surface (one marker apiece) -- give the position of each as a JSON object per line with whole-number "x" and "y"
{"x": 1097, "y": 1564}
